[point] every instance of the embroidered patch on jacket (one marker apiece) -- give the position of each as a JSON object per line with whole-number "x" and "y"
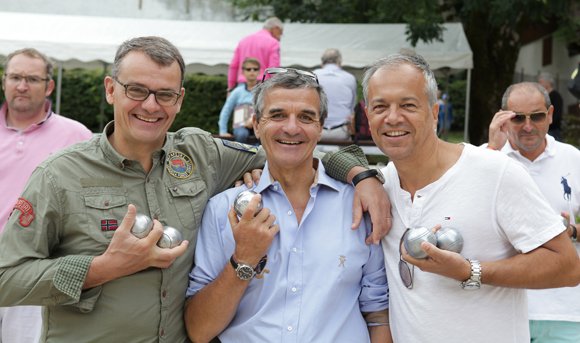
{"x": 109, "y": 225}
{"x": 179, "y": 165}
{"x": 26, "y": 216}
{"x": 240, "y": 146}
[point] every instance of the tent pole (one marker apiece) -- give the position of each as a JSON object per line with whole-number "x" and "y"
{"x": 467, "y": 97}
{"x": 58, "y": 87}
{"x": 103, "y": 99}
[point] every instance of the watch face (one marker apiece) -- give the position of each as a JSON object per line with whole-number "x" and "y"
{"x": 245, "y": 272}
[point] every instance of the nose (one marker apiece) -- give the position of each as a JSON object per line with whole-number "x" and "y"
{"x": 291, "y": 125}
{"x": 22, "y": 85}
{"x": 392, "y": 116}
{"x": 150, "y": 104}
{"x": 528, "y": 126}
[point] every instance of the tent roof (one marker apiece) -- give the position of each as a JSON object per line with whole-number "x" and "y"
{"x": 88, "y": 39}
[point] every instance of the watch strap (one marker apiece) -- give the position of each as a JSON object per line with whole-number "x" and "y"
{"x": 474, "y": 281}
{"x": 364, "y": 175}
{"x": 574, "y": 237}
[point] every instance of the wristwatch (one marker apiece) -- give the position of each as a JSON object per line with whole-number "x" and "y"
{"x": 244, "y": 270}
{"x": 574, "y": 237}
{"x": 366, "y": 174}
{"x": 474, "y": 282}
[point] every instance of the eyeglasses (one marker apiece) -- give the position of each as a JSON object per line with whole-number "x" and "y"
{"x": 536, "y": 117}
{"x": 139, "y": 93}
{"x": 278, "y": 70}
{"x": 251, "y": 69}
{"x": 405, "y": 272}
{"x": 31, "y": 80}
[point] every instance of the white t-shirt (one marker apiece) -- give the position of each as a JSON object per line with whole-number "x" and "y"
{"x": 559, "y": 164}
{"x": 488, "y": 198}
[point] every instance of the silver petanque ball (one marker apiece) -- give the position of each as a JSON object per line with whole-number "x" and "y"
{"x": 415, "y": 237}
{"x": 242, "y": 201}
{"x": 142, "y": 226}
{"x": 449, "y": 239}
{"x": 565, "y": 222}
{"x": 171, "y": 238}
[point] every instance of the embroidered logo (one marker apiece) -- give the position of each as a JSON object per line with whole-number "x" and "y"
{"x": 447, "y": 218}
{"x": 567, "y": 188}
{"x": 342, "y": 260}
{"x": 179, "y": 165}
{"x": 240, "y": 146}
{"x": 109, "y": 225}
{"x": 24, "y": 206}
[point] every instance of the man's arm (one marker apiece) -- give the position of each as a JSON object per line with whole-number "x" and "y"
{"x": 274, "y": 57}
{"x": 210, "y": 310}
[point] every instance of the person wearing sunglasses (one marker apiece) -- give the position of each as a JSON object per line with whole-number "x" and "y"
{"x": 321, "y": 281}
{"x": 521, "y": 132}
{"x": 240, "y": 102}
{"x": 513, "y": 240}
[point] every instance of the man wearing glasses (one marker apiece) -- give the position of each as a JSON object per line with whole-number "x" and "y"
{"x": 29, "y": 132}
{"x": 68, "y": 244}
{"x": 512, "y": 238}
{"x": 520, "y": 132}
{"x": 319, "y": 275}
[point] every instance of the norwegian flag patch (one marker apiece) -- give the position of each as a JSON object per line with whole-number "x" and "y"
{"x": 109, "y": 225}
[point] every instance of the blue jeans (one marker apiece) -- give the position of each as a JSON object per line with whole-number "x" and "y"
{"x": 241, "y": 134}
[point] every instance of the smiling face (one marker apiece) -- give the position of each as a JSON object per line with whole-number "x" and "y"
{"x": 289, "y": 127}
{"x": 402, "y": 124}
{"x": 142, "y": 124}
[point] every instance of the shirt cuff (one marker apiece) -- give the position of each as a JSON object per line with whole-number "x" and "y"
{"x": 71, "y": 274}
{"x": 339, "y": 162}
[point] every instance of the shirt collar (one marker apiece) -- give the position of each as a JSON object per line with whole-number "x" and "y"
{"x": 4, "y": 111}
{"x": 331, "y": 66}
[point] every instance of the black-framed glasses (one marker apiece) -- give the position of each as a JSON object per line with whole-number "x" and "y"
{"x": 405, "y": 272}
{"x": 31, "y": 80}
{"x": 278, "y": 70}
{"x": 536, "y": 117}
{"x": 251, "y": 69}
{"x": 140, "y": 93}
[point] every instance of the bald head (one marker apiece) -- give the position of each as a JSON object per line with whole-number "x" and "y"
{"x": 529, "y": 88}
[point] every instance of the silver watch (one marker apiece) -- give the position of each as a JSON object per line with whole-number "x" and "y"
{"x": 243, "y": 270}
{"x": 474, "y": 282}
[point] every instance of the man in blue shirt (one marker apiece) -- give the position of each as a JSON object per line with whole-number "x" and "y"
{"x": 340, "y": 86}
{"x": 321, "y": 282}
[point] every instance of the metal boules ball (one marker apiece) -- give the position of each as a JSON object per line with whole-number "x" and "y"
{"x": 449, "y": 239}
{"x": 242, "y": 201}
{"x": 565, "y": 222}
{"x": 415, "y": 237}
{"x": 142, "y": 226}
{"x": 171, "y": 238}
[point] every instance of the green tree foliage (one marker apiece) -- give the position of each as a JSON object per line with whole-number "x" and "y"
{"x": 493, "y": 28}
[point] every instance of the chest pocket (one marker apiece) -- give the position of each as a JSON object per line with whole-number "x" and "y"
{"x": 188, "y": 200}
{"x": 104, "y": 212}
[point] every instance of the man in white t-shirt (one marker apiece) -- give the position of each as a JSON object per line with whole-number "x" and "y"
{"x": 512, "y": 237}
{"x": 519, "y": 130}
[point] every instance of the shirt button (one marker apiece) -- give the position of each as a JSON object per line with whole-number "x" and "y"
{"x": 121, "y": 165}
{"x": 294, "y": 249}
{"x": 162, "y": 333}
{"x": 156, "y": 218}
{"x": 289, "y": 328}
{"x": 275, "y": 188}
{"x": 289, "y": 213}
{"x": 19, "y": 143}
{"x": 164, "y": 294}
{"x": 147, "y": 179}
{"x": 175, "y": 189}
{"x": 106, "y": 203}
{"x": 293, "y": 289}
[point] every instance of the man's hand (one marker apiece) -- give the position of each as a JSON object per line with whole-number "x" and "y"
{"x": 370, "y": 195}
{"x": 442, "y": 262}
{"x": 498, "y": 129}
{"x": 253, "y": 235}
{"x": 249, "y": 177}
{"x": 128, "y": 254}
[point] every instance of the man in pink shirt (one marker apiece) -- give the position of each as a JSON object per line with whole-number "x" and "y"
{"x": 29, "y": 132}
{"x": 263, "y": 45}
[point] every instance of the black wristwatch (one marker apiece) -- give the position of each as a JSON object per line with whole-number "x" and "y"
{"x": 366, "y": 174}
{"x": 574, "y": 237}
{"x": 244, "y": 270}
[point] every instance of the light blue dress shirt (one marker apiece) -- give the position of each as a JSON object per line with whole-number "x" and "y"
{"x": 340, "y": 87}
{"x": 239, "y": 96}
{"x": 319, "y": 276}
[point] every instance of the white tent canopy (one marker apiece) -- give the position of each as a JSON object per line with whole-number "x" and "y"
{"x": 88, "y": 42}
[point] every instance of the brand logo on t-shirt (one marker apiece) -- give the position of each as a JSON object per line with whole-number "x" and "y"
{"x": 567, "y": 189}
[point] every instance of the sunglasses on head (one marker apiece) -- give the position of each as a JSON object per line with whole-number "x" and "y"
{"x": 536, "y": 117}
{"x": 405, "y": 272}
{"x": 277, "y": 70}
{"x": 251, "y": 69}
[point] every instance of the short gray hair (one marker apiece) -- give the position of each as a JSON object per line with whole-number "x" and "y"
{"x": 530, "y": 87}
{"x": 547, "y": 77}
{"x": 288, "y": 80}
{"x": 273, "y": 22}
{"x": 395, "y": 61}
{"x": 158, "y": 49}
{"x": 32, "y": 53}
{"x": 331, "y": 56}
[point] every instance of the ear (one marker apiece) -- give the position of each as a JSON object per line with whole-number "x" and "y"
{"x": 110, "y": 90}
{"x": 180, "y": 100}
{"x": 550, "y": 113}
{"x": 256, "y": 127}
{"x": 49, "y": 88}
{"x": 435, "y": 114}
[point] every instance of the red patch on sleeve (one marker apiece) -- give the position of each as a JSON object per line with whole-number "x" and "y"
{"x": 24, "y": 206}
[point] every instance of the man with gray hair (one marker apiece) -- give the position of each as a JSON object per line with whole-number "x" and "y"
{"x": 512, "y": 238}
{"x": 296, "y": 287}
{"x": 341, "y": 89}
{"x": 30, "y": 132}
{"x": 519, "y": 131}
{"x": 263, "y": 45}
{"x": 546, "y": 80}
